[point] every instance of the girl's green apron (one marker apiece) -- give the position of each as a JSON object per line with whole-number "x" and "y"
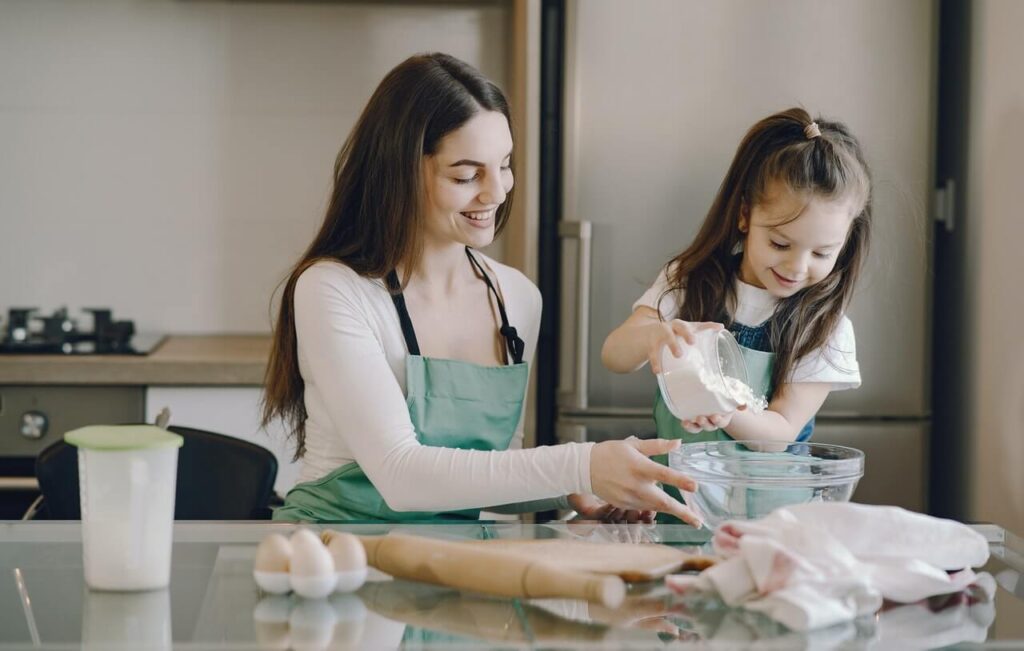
{"x": 452, "y": 404}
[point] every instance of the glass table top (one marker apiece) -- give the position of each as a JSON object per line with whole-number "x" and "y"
{"x": 214, "y": 603}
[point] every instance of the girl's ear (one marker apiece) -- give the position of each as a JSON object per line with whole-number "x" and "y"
{"x": 744, "y": 217}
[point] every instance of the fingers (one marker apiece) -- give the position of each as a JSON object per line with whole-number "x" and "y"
{"x": 680, "y": 510}
{"x": 667, "y": 475}
{"x": 684, "y": 330}
{"x": 653, "y": 447}
{"x": 706, "y": 423}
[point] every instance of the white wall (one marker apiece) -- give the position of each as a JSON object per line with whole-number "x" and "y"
{"x": 172, "y": 159}
{"x": 997, "y": 235}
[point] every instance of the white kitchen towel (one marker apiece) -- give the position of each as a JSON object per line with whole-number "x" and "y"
{"x": 813, "y": 565}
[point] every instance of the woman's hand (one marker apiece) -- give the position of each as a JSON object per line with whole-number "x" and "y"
{"x": 621, "y": 474}
{"x": 668, "y": 333}
{"x": 591, "y": 507}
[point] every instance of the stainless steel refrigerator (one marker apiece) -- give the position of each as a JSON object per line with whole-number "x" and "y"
{"x": 656, "y": 97}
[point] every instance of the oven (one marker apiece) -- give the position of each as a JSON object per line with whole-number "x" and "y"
{"x": 34, "y": 416}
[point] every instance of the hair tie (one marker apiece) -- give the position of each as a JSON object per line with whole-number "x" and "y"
{"x": 812, "y": 131}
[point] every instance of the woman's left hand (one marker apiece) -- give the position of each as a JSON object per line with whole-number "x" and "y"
{"x": 591, "y": 507}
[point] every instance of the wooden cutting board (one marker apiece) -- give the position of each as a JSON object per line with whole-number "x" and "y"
{"x": 631, "y": 562}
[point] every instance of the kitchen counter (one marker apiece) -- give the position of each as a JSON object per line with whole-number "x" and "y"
{"x": 195, "y": 360}
{"x": 213, "y": 602}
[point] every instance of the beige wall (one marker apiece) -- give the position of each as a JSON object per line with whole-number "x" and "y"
{"x": 996, "y": 182}
{"x": 172, "y": 159}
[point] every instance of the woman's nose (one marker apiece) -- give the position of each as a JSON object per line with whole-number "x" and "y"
{"x": 493, "y": 192}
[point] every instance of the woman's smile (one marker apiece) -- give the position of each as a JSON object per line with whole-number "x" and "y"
{"x": 480, "y": 218}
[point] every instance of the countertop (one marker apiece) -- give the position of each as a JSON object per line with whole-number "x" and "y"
{"x": 181, "y": 360}
{"x": 213, "y": 602}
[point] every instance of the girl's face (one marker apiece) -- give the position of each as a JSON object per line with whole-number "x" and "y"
{"x": 785, "y": 255}
{"x": 466, "y": 179}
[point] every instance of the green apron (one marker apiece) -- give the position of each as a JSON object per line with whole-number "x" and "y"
{"x": 452, "y": 404}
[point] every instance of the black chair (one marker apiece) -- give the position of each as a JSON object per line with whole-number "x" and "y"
{"x": 219, "y": 478}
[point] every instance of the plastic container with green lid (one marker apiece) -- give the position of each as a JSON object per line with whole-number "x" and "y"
{"x": 127, "y": 476}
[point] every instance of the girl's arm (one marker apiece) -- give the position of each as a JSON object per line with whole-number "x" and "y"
{"x": 794, "y": 404}
{"x": 642, "y": 336}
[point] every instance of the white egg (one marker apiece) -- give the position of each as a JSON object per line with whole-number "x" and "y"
{"x": 312, "y": 570}
{"x": 349, "y": 560}
{"x": 272, "y": 564}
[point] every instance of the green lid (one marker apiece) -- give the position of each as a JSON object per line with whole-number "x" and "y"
{"x": 122, "y": 437}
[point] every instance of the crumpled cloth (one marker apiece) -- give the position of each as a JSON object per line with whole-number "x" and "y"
{"x": 814, "y": 565}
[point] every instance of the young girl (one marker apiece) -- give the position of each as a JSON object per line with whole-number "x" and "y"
{"x": 775, "y": 262}
{"x": 401, "y": 352}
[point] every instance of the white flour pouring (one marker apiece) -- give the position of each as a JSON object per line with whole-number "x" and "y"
{"x": 707, "y": 380}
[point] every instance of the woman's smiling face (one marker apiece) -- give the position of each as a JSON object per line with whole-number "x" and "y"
{"x": 792, "y": 240}
{"x": 466, "y": 179}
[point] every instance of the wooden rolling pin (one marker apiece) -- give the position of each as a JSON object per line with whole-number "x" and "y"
{"x": 491, "y": 571}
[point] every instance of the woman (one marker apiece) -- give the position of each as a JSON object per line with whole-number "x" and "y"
{"x": 400, "y": 357}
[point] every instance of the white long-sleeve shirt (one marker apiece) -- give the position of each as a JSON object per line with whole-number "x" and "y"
{"x": 352, "y": 358}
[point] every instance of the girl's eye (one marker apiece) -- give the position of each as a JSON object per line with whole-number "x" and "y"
{"x": 469, "y": 180}
{"x": 776, "y": 245}
{"x": 505, "y": 168}
{"x": 822, "y": 255}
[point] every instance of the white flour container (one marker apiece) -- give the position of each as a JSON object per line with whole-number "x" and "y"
{"x": 127, "y": 476}
{"x": 706, "y": 379}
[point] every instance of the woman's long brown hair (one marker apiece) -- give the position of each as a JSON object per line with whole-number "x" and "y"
{"x": 829, "y": 166}
{"x": 373, "y": 220}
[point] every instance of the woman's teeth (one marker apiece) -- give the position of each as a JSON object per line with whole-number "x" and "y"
{"x": 478, "y": 216}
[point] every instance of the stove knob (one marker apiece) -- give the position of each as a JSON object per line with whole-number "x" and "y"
{"x": 34, "y": 424}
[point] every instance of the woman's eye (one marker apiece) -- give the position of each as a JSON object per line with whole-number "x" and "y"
{"x": 469, "y": 180}
{"x": 776, "y": 245}
{"x": 818, "y": 254}
{"x": 505, "y": 168}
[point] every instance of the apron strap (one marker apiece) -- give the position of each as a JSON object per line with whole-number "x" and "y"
{"x": 403, "y": 313}
{"x": 514, "y": 342}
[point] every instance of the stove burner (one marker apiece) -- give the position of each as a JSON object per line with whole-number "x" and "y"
{"x": 59, "y": 334}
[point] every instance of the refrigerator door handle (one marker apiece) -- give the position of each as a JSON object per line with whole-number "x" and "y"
{"x": 576, "y": 396}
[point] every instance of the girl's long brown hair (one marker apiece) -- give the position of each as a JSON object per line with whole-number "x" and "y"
{"x": 829, "y": 166}
{"x": 373, "y": 220}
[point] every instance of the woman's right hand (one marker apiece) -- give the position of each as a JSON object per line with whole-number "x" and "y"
{"x": 622, "y": 474}
{"x": 668, "y": 333}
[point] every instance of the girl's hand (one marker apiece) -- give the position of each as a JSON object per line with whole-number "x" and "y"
{"x": 668, "y": 333}
{"x": 591, "y": 507}
{"x": 621, "y": 473}
{"x": 710, "y": 422}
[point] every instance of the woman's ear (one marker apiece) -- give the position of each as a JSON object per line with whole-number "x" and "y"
{"x": 744, "y": 217}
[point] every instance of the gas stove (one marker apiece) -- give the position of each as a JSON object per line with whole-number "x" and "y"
{"x": 59, "y": 334}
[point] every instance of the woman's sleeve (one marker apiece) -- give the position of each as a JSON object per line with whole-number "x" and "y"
{"x": 835, "y": 362}
{"x": 345, "y": 363}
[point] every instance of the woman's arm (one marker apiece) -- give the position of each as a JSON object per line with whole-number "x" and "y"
{"x": 793, "y": 406}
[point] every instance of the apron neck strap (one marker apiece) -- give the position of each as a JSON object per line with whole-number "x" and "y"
{"x": 403, "y": 313}
{"x": 513, "y": 341}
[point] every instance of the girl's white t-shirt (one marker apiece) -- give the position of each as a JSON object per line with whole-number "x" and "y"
{"x": 352, "y": 359}
{"x": 835, "y": 362}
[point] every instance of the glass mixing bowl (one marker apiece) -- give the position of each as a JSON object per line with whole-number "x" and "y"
{"x": 750, "y": 479}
